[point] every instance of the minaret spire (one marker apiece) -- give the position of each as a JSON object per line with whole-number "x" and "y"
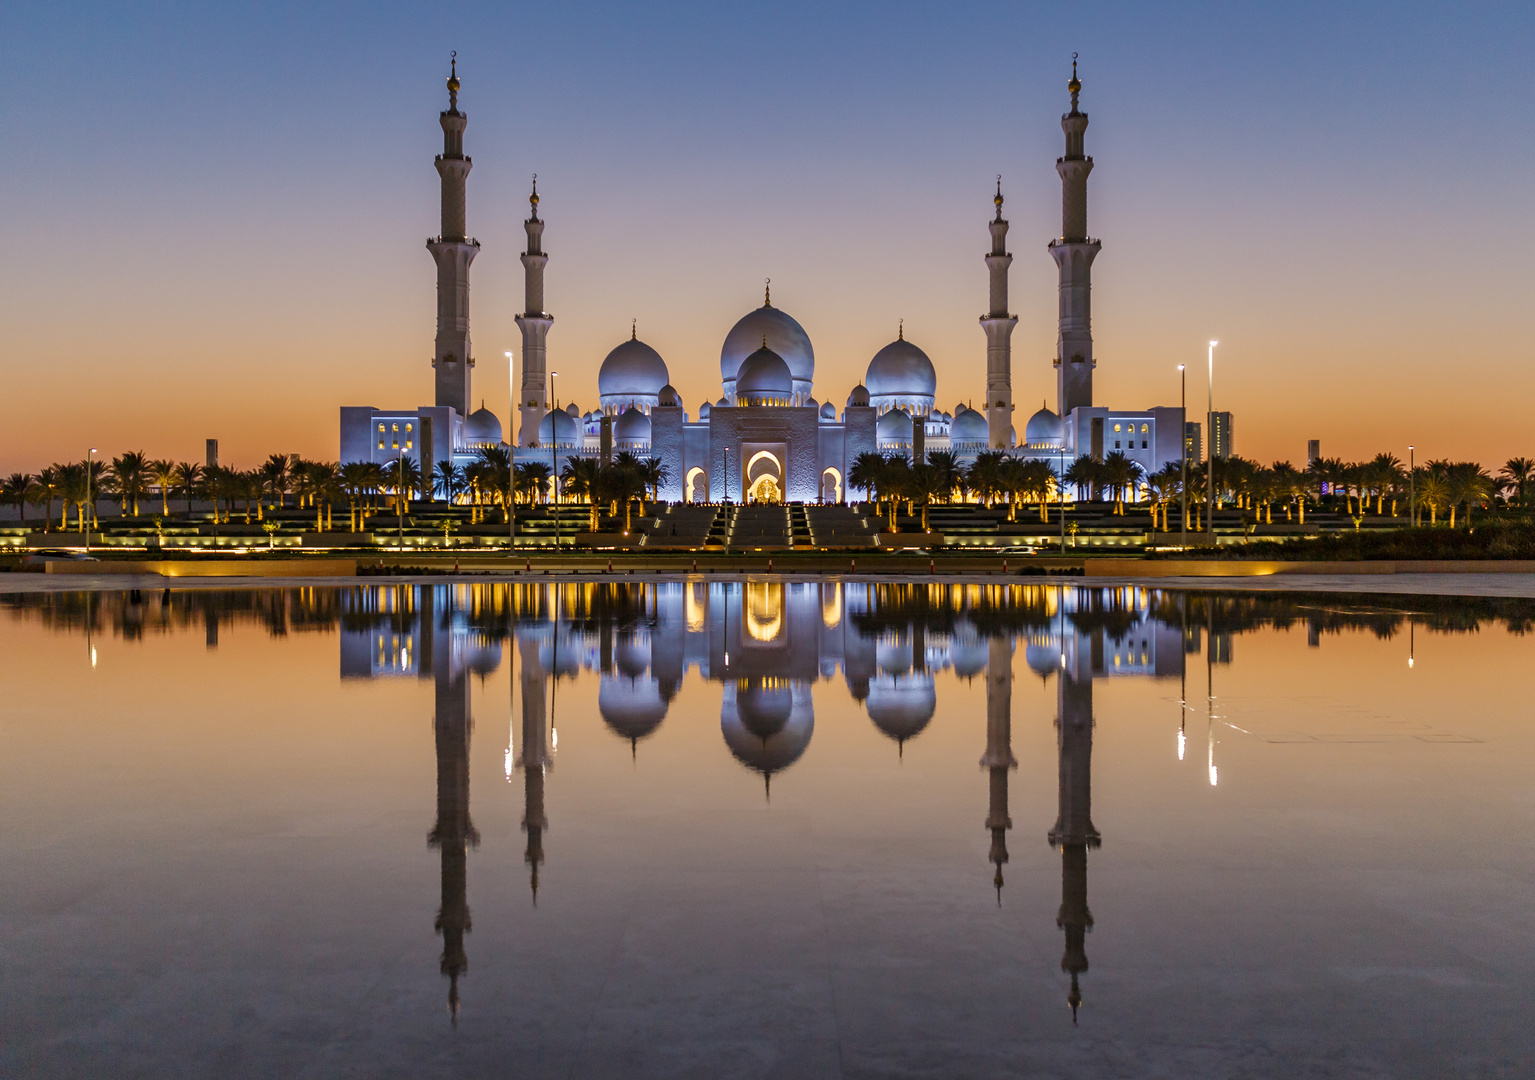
{"x": 453, "y": 251}
{"x": 534, "y": 323}
{"x": 1074, "y": 252}
{"x": 998, "y": 325}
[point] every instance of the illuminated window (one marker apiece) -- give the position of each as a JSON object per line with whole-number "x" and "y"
{"x": 1145, "y": 428}
{"x": 381, "y": 444}
{"x": 1116, "y": 427}
{"x": 408, "y": 427}
{"x": 381, "y": 428}
{"x": 409, "y": 445}
{"x": 397, "y": 427}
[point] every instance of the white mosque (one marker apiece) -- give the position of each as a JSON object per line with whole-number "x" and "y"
{"x": 767, "y": 438}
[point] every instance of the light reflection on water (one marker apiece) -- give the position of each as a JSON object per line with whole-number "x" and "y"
{"x": 772, "y": 651}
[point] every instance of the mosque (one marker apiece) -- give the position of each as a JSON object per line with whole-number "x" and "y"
{"x": 767, "y": 438}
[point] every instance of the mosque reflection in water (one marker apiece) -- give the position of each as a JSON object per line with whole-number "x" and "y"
{"x": 765, "y": 643}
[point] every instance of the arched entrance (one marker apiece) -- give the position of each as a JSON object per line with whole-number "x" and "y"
{"x": 831, "y": 486}
{"x": 764, "y": 478}
{"x": 696, "y": 487}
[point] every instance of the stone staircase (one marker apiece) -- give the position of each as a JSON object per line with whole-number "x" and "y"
{"x": 840, "y": 526}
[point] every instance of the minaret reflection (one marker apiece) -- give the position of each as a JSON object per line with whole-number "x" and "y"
{"x": 453, "y": 833}
{"x": 998, "y": 759}
{"x": 1074, "y": 832}
{"x": 535, "y": 758}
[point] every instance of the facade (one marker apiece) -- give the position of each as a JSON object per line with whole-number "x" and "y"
{"x": 767, "y": 437}
{"x": 1220, "y": 434}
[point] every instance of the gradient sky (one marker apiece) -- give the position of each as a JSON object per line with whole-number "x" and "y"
{"x": 216, "y": 214}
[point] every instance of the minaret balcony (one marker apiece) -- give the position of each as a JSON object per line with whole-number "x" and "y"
{"x": 1062, "y": 241}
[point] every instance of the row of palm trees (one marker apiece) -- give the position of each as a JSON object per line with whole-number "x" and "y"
{"x": 284, "y": 480}
{"x": 1435, "y": 489}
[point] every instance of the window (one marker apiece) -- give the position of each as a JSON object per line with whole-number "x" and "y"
{"x": 397, "y": 427}
{"x": 409, "y": 427}
{"x": 1116, "y": 427}
{"x": 381, "y": 429}
{"x": 381, "y": 444}
{"x": 1143, "y": 444}
{"x": 1116, "y": 444}
{"x": 1145, "y": 428}
{"x": 409, "y": 445}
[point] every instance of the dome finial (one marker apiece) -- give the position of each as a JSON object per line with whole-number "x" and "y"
{"x": 767, "y": 294}
{"x": 453, "y": 82}
{"x": 1075, "y": 85}
{"x": 998, "y": 199}
{"x": 533, "y": 198}
{"x": 900, "y": 333}
{"x": 633, "y": 329}
{"x": 764, "y": 340}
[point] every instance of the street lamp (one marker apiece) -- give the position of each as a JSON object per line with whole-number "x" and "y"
{"x": 1210, "y": 452}
{"x": 1412, "y": 501}
{"x": 511, "y": 447}
{"x": 554, "y": 463}
{"x": 1183, "y": 443}
{"x": 90, "y": 503}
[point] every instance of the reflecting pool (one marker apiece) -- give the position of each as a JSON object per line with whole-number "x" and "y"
{"x": 765, "y": 828}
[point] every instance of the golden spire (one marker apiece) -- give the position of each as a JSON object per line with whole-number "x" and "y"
{"x": 533, "y": 198}
{"x": 1075, "y": 85}
{"x": 633, "y": 328}
{"x": 998, "y": 199}
{"x": 453, "y": 82}
{"x": 900, "y": 333}
{"x": 767, "y": 296}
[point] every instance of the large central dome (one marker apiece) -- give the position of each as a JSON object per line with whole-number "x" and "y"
{"x": 782, "y": 334}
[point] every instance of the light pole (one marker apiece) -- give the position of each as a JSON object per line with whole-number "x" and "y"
{"x": 1183, "y": 443}
{"x": 554, "y": 465}
{"x": 1060, "y": 485}
{"x": 400, "y": 493}
{"x": 1412, "y": 501}
{"x": 90, "y": 503}
{"x": 1210, "y": 443}
{"x": 511, "y": 447}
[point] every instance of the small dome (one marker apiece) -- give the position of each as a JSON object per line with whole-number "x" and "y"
{"x": 669, "y": 398}
{"x": 1043, "y": 427}
{"x": 722, "y": 403}
{"x": 764, "y": 374}
{"x": 703, "y": 411}
{"x": 633, "y": 426}
{"x": 901, "y": 369}
{"x": 894, "y": 426}
{"x": 828, "y": 411}
{"x": 632, "y": 369}
{"x": 633, "y": 708}
{"x": 1043, "y": 658}
{"x": 859, "y": 397}
{"x": 481, "y": 426}
{"x": 969, "y": 426}
{"x": 784, "y": 336}
{"x": 573, "y": 410}
{"x": 901, "y": 705}
{"x": 557, "y": 427}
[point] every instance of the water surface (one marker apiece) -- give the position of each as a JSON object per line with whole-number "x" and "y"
{"x": 771, "y": 829}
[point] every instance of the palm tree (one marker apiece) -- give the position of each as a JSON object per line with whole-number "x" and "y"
{"x": 497, "y": 464}
{"x": 984, "y": 477}
{"x": 354, "y": 478}
{"x": 533, "y": 480}
{"x": 276, "y": 473}
{"x": 163, "y": 472}
{"x": 1516, "y": 475}
{"x": 582, "y": 478}
{"x": 653, "y": 474}
{"x": 14, "y": 491}
{"x": 74, "y": 489}
{"x": 130, "y": 476}
{"x": 44, "y": 494}
{"x": 1083, "y": 474}
{"x": 189, "y": 475}
{"x": 924, "y": 484}
{"x": 1165, "y": 485}
{"x": 403, "y": 477}
{"x": 1467, "y": 484}
{"x": 946, "y": 467}
{"x": 1432, "y": 491}
{"x": 448, "y": 479}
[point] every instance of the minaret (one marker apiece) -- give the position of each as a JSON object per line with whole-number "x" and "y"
{"x": 535, "y": 758}
{"x": 1074, "y": 252}
{"x": 454, "y": 833}
{"x": 454, "y": 251}
{"x": 998, "y": 759}
{"x": 1074, "y": 832}
{"x": 998, "y": 325}
{"x": 534, "y": 323}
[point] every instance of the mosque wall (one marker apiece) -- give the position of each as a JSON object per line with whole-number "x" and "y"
{"x": 796, "y": 429}
{"x": 666, "y": 443}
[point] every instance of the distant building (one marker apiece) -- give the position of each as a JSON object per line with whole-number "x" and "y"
{"x": 1193, "y": 444}
{"x": 1221, "y": 440}
{"x": 213, "y": 454}
{"x": 1313, "y": 450}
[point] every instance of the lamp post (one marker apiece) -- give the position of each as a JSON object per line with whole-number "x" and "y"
{"x": 1210, "y": 452}
{"x": 554, "y": 465}
{"x": 1412, "y": 481}
{"x": 400, "y": 493}
{"x": 511, "y": 448}
{"x": 1060, "y": 485}
{"x": 1183, "y": 452}
{"x": 90, "y": 503}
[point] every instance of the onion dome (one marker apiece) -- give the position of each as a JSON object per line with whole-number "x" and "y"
{"x": 669, "y": 398}
{"x": 781, "y": 333}
{"x": 1043, "y": 429}
{"x": 1043, "y": 658}
{"x": 633, "y": 708}
{"x": 633, "y": 369}
{"x": 969, "y": 426}
{"x": 573, "y": 409}
{"x": 482, "y": 426}
{"x": 828, "y": 411}
{"x": 764, "y": 379}
{"x": 764, "y": 727}
{"x": 703, "y": 411}
{"x": 901, "y": 369}
{"x": 893, "y": 427}
{"x": 859, "y": 397}
{"x": 632, "y": 427}
{"x": 558, "y": 428}
{"x": 481, "y": 654}
{"x": 901, "y": 705}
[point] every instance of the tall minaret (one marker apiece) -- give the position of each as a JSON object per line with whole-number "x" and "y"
{"x": 998, "y": 325}
{"x": 454, "y": 251}
{"x": 535, "y": 760}
{"x": 998, "y": 759}
{"x": 534, "y": 323}
{"x": 1074, "y": 252}
{"x": 1074, "y": 833}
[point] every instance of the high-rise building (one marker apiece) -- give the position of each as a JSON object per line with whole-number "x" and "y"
{"x": 1313, "y": 450}
{"x": 1193, "y": 445}
{"x": 1220, "y": 434}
